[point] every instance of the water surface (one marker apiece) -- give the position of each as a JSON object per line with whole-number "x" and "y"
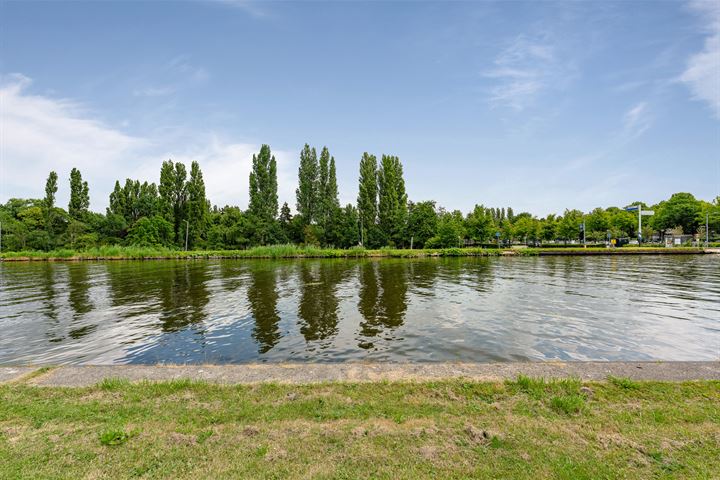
{"x": 419, "y": 310}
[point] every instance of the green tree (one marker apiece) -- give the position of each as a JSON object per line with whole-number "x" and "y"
{"x": 79, "y": 195}
{"x": 51, "y": 189}
{"x": 450, "y": 232}
{"x": 198, "y": 206}
{"x": 480, "y": 224}
{"x": 116, "y": 204}
{"x": 526, "y": 228}
{"x": 548, "y": 227}
{"x": 681, "y": 210}
{"x": 710, "y": 212}
{"x": 328, "y": 202}
{"x": 151, "y": 232}
{"x": 307, "y": 191}
{"x": 263, "y": 193}
{"x": 422, "y": 222}
{"x": 367, "y": 202}
{"x": 392, "y": 201}
{"x": 568, "y": 228}
{"x": 173, "y": 197}
{"x": 348, "y": 232}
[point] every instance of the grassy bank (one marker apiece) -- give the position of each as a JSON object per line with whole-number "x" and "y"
{"x": 522, "y": 429}
{"x": 293, "y": 251}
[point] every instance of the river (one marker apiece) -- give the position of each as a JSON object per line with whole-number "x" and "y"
{"x": 380, "y": 310}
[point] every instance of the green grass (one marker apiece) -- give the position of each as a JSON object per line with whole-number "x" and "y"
{"x": 528, "y": 428}
{"x": 294, "y": 251}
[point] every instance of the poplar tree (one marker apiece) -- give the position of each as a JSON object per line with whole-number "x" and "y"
{"x": 307, "y": 191}
{"x": 79, "y": 195}
{"x": 328, "y": 200}
{"x": 392, "y": 200}
{"x": 367, "y": 201}
{"x": 173, "y": 196}
{"x": 117, "y": 200}
{"x": 323, "y": 181}
{"x": 198, "y": 208}
{"x": 50, "y": 191}
{"x": 263, "y": 191}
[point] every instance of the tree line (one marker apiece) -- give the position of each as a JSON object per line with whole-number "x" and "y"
{"x": 177, "y": 213}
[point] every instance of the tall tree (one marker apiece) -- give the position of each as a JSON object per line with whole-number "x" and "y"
{"x": 263, "y": 191}
{"x": 328, "y": 202}
{"x": 173, "y": 197}
{"x": 307, "y": 191}
{"x": 79, "y": 195}
{"x": 198, "y": 207}
{"x": 49, "y": 203}
{"x": 367, "y": 202}
{"x": 392, "y": 200}
{"x": 117, "y": 200}
{"x": 51, "y": 189}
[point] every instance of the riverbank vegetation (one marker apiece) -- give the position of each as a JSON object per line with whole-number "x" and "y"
{"x": 112, "y": 252}
{"x": 526, "y": 428}
{"x": 177, "y": 215}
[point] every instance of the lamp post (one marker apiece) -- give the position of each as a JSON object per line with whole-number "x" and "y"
{"x": 187, "y": 230}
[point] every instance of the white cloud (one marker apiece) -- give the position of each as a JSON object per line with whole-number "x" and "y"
{"x": 153, "y": 91}
{"x": 636, "y": 121}
{"x": 521, "y": 71}
{"x": 702, "y": 74}
{"x": 39, "y": 134}
{"x": 249, "y": 6}
{"x": 226, "y": 168}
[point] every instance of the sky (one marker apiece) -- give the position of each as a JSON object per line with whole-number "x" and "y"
{"x": 540, "y": 106}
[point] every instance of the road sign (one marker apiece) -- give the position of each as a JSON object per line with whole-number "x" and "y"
{"x": 648, "y": 212}
{"x": 632, "y": 209}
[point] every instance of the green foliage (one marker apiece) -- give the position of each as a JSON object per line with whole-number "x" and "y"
{"x": 422, "y": 222}
{"x": 681, "y": 210}
{"x": 307, "y": 191}
{"x": 79, "y": 195}
{"x": 51, "y": 189}
{"x": 450, "y": 232}
{"x": 113, "y": 438}
{"x": 151, "y": 232}
{"x": 624, "y": 383}
{"x": 383, "y": 218}
{"x": 480, "y": 224}
{"x": 198, "y": 206}
{"x": 568, "y": 228}
{"x": 367, "y": 202}
{"x": 392, "y": 201}
{"x": 263, "y": 194}
{"x": 173, "y": 197}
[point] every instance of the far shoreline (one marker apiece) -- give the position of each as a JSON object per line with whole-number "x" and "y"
{"x": 293, "y": 252}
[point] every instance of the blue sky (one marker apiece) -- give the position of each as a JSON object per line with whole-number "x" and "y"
{"x": 537, "y": 105}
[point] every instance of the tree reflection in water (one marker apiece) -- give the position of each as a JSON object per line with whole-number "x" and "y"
{"x": 263, "y": 297}
{"x": 383, "y": 297}
{"x": 319, "y": 305}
